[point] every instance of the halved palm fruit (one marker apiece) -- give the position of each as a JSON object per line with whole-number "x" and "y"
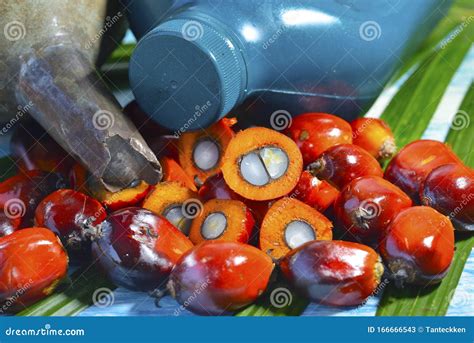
{"x": 175, "y": 202}
{"x": 227, "y": 220}
{"x": 262, "y": 164}
{"x": 290, "y": 223}
{"x": 201, "y": 152}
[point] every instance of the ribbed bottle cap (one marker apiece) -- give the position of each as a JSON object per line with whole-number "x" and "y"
{"x": 187, "y": 74}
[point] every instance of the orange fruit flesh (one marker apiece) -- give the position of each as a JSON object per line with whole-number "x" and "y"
{"x": 121, "y": 199}
{"x": 238, "y": 224}
{"x": 280, "y": 215}
{"x": 172, "y": 171}
{"x": 251, "y": 140}
{"x": 167, "y": 194}
{"x": 220, "y": 134}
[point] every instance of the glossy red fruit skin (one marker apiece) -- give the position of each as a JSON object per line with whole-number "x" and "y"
{"x": 419, "y": 246}
{"x": 316, "y": 193}
{"x": 316, "y": 132}
{"x": 69, "y": 214}
{"x": 367, "y": 205}
{"x": 410, "y": 167}
{"x": 375, "y": 136}
{"x": 449, "y": 189}
{"x": 216, "y": 188}
{"x": 336, "y": 273}
{"x": 343, "y": 163}
{"x": 137, "y": 248}
{"x": 24, "y": 191}
{"x": 32, "y": 262}
{"x": 8, "y": 225}
{"x": 228, "y": 275}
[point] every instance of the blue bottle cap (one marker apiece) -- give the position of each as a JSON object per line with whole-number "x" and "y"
{"x": 187, "y": 74}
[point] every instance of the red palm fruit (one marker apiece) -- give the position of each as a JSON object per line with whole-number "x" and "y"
{"x": 33, "y": 149}
{"x": 32, "y": 262}
{"x": 290, "y": 223}
{"x": 367, "y": 205}
{"x": 343, "y": 163}
{"x": 262, "y": 164}
{"x": 375, "y": 136}
{"x": 8, "y": 224}
{"x": 227, "y": 220}
{"x": 78, "y": 178}
{"x": 410, "y": 167}
{"x": 450, "y": 190}
{"x": 131, "y": 196}
{"x": 70, "y": 214}
{"x": 216, "y": 188}
{"x": 335, "y": 273}
{"x": 316, "y": 132}
{"x": 314, "y": 192}
{"x": 201, "y": 152}
{"x": 172, "y": 171}
{"x": 419, "y": 246}
{"x": 137, "y": 248}
{"x": 20, "y": 194}
{"x": 227, "y": 275}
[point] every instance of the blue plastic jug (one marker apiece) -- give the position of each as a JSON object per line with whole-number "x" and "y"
{"x": 198, "y": 60}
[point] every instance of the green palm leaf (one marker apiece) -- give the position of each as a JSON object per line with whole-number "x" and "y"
{"x": 413, "y": 301}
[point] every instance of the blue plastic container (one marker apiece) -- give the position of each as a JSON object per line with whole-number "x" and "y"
{"x": 198, "y": 60}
